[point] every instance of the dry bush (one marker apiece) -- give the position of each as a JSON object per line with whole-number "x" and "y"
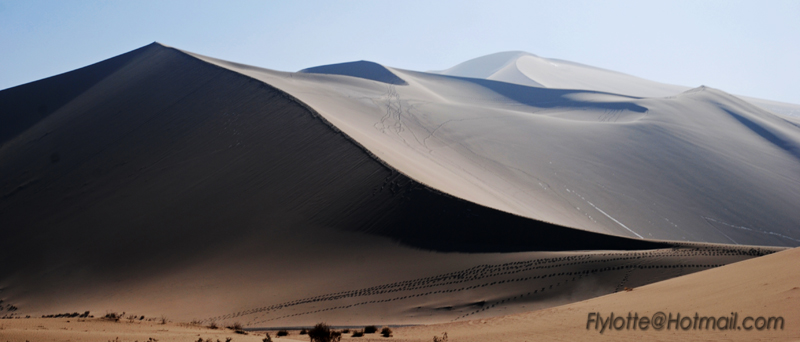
{"x": 370, "y": 329}
{"x": 358, "y": 333}
{"x": 112, "y": 316}
{"x": 237, "y": 328}
{"x": 323, "y": 333}
{"x": 282, "y": 333}
{"x": 386, "y": 332}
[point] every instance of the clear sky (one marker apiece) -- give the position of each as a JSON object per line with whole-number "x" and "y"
{"x": 743, "y": 47}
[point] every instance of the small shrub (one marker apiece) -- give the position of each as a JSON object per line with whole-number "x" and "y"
{"x": 323, "y": 333}
{"x": 370, "y": 329}
{"x": 164, "y": 319}
{"x": 358, "y": 333}
{"x": 237, "y": 328}
{"x": 386, "y": 332}
{"x": 112, "y": 316}
{"x": 303, "y": 331}
{"x": 346, "y": 331}
{"x": 267, "y": 339}
{"x": 213, "y": 325}
{"x": 440, "y": 339}
{"x": 282, "y": 333}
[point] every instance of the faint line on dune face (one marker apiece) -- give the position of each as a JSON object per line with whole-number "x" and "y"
{"x": 723, "y": 234}
{"x": 750, "y": 229}
{"x": 615, "y": 220}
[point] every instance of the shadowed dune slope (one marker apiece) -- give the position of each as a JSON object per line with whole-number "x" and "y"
{"x": 25, "y": 105}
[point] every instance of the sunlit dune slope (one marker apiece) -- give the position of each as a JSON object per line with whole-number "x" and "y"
{"x": 699, "y": 166}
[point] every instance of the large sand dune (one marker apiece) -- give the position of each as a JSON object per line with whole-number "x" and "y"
{"x": 687, "y": 167}
{"x": 164, "y": 182}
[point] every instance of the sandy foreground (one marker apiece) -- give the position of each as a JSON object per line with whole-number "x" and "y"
{"x": 765, "y": 286}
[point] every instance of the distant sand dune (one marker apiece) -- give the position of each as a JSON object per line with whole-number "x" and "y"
{"x": 531, "y": 70}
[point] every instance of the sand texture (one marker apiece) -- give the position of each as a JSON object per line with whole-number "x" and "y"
{"x": 763, "y": 287}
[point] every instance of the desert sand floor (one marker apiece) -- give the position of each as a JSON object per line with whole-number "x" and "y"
{"x": 72, "y": 329}
{"x": 765, "y": 286}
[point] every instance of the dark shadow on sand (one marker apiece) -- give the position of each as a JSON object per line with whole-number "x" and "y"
{"x": 362, "y": 69}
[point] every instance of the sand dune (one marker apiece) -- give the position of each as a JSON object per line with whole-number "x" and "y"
{"x": 161, "y": 182}
{"x": 169, "y": 166}
{"x": 528, "y": 69}
{"x": 677, "y": 168}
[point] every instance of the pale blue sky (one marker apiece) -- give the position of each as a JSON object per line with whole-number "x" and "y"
{"x": 743, "y": 47}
